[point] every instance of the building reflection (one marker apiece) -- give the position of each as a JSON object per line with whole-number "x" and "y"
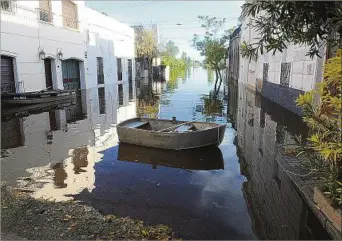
{"x": 148, "y": 98}
{"x": 53, "y": 152}
{"x": 277, "y": 209}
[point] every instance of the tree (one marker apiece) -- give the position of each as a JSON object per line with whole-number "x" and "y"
{"x": 312, "y": 23}
{"x": 145, "y": 45}
{"x": 324, "y": 120}
{"x": 214, "y": 45}
{"x": 170, "y": 49}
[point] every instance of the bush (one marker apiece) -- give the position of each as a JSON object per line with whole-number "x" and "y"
{"x": 323, "y": 117}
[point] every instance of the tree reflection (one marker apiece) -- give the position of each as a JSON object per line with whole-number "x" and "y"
{"x": 213, "y": 105}
{"x": 147, "y": 101}
{"x": 175, "y": 76}
{"x": 211, "y": 76}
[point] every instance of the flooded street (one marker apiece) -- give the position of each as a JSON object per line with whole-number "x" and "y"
{"x": 236, "y": 191}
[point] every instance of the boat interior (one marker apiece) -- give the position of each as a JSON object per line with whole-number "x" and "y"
{"x": 167, "y": 126}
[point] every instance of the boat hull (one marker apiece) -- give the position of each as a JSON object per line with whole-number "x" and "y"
{"x": 212, "y": 136}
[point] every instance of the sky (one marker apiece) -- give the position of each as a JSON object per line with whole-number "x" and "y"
{"x": 167, "y": 14}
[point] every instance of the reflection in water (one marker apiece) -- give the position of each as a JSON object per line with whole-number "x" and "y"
{"x": 200, "y": 159}
{"x": 59, "y": 176}
{"x": 75, "y": 112}
{"x": 102, "y": 100}
{"x": 79, "y": 159}
{"x": 72, "y": 152}
{"x": 213, "y": 106}
{"x": 148, "y": 99}
{"x": 276, "y": 207}
{"x": 120, "y": 94}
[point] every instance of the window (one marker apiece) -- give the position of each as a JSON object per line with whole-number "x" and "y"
{"x": 45, "y": 13}
{"x": 285, "y": 74}
{"x": 119, "y": 69}
{"x": 7, "y": 5}
{"x": 100, "y": 75}
{"x": 120, "y": 95}
{"x": 102, "y": 100}
{"x": 262, "y": 118}
{"x": 69, "y": 11}
{"x": 265, "y": 72}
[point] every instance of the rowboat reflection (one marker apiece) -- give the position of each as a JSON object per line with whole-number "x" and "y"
{"x": 205, "y": 158}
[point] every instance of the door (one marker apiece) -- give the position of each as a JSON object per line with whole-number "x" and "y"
{"x": 7, "y": 75}
{"x": 48, "y": 74}
{"x": 71, "y": 74}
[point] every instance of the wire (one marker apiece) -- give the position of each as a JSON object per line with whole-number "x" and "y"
{"x": 125, "y": 6}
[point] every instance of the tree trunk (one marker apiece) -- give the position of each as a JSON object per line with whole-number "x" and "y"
{"x": 216, "y": 81}
{"x": 220, "y": 81}
{"x": 150, "y": 69}
{"x": 218, "y": 77}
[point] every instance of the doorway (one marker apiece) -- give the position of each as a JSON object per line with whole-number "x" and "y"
{"x": 48, "y": 74}
{"x": 71, "y": 74}
{"x": 7, "y": 75}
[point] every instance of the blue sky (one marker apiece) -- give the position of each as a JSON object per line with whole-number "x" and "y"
{"x": 166, "y": 14}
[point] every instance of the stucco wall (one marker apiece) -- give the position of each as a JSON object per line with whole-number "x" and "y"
{"x": 109, "y": 39}
{"x": 23, "y": 35}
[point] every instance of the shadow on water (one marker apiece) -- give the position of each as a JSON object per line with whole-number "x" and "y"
{"x": 236, "y": 191}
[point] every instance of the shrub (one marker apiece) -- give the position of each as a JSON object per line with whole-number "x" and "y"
{"x": 322, "y": 113}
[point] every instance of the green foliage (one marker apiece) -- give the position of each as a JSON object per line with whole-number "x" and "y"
{"x": 324, "y": 121}
{"x": 173, "y": 62}
{"x": 300, "y": 22}
{"x": 170, "y": 49}
{"x": 145, "y": 43}
{"x": 214, "y": 44}
{"x": 169, "y": 58}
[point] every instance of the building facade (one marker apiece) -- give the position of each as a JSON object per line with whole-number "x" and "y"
{"x": 62, "y": 45}
{"x": 280, "y": 77}
{"x": 233, "y": 62}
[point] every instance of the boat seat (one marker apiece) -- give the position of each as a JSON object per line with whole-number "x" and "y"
{"x": 136, "y": 124}
{"x": 185, "y": 128}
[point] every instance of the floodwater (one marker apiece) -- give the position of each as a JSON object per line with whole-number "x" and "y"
{"x": 237, "y": 191}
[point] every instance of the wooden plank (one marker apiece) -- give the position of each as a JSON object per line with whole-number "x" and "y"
{"x": 135, "y": 124}
{"x": 176, "y": 126}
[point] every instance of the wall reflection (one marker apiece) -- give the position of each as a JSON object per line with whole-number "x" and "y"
{"x": 277, "y": 209}
{"x": 53, "y": 151}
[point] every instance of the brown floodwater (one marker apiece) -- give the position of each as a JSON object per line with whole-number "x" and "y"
{"x": 70, "y": 151}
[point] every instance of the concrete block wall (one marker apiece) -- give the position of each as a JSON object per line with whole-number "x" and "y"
{"x": 305, "y": 72}
{"x": 277, "y": 210}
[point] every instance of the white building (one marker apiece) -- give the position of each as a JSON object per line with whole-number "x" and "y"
{"x": 283, "y": 76}
{"x": 62, "y": 45}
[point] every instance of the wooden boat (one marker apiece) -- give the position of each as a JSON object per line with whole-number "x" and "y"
{"x": 170, "y": 134}
{"x": 204, "y": 158}
{"x": 29, "y": 98}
